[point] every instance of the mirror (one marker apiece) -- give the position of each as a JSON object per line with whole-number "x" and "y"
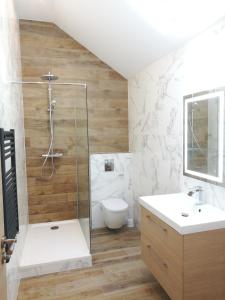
{"x": 204, "y": 135}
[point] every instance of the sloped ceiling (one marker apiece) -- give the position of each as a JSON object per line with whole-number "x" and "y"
{"x": 115, "y": 31}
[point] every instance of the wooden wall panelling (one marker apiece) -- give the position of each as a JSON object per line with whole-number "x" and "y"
{"x": 44, "y": 48}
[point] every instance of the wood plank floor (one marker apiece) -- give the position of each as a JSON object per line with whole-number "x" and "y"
{"x": 118, "y": 273}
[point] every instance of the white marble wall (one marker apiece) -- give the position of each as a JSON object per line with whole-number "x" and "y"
{"x": 11, "y": 116}
{"x": 156, "y": 114}
{"x": 116, "y": 184}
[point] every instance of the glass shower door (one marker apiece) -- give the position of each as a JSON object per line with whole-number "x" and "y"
{"x": 71, "y": 133}
{"x": 82, "y": 164}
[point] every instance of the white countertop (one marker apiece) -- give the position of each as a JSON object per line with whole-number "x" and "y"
{"x": 169, "y": 208}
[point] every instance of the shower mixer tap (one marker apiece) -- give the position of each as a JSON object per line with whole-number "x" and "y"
{"x": 52, "y": 105}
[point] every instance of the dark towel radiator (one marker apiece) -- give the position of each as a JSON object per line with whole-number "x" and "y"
{"x": 9, "y": 189}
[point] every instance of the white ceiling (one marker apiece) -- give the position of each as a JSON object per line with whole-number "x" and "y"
{"x": 124, "y": 34}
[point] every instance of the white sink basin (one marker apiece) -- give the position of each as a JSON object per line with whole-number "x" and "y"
{"x": 181, "y": 213}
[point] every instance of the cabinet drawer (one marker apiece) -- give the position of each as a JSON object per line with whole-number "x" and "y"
{"x": 164, "y": 239}
{"x": 163, "y": 269}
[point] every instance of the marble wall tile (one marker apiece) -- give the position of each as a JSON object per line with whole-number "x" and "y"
{"x": 11, "y": 112}
{"x": 156, "y": 115}
{"x": 115, "y": 184}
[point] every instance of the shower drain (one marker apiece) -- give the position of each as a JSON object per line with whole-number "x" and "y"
{"x": 54, "y": 227}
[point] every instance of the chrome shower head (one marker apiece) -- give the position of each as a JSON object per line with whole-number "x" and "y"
{"x": 49, "y": 77}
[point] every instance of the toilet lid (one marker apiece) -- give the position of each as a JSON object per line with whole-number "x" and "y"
{"x": 115, "y": 204}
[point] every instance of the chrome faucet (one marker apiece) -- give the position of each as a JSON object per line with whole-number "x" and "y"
{"x": 197, "y": 192}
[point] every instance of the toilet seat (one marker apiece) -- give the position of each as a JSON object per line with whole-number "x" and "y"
{"x": 115, "y": 205}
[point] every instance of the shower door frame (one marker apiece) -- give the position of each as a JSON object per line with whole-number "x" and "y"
{"x": 85, "y": 86}
{"x": 89, "y": 184}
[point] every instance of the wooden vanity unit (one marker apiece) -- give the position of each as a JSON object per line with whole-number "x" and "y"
{"x": 189, "y": 266}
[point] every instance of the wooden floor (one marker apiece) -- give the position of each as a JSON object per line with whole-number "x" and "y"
{"x": 117, "y": 274}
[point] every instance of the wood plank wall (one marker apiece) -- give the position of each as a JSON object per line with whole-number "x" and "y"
{"x": 44, "y": 48}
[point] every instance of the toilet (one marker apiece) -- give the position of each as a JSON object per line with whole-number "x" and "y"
{"x": 114, "y": 212}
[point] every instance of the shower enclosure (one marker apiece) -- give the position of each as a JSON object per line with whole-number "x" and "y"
{"x": 57, "y": 149}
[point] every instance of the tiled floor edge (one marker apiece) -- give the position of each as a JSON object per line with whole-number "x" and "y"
{"x": 55, "y": 267}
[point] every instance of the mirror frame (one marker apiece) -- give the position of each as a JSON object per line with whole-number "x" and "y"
{"x": 219, "y": 93}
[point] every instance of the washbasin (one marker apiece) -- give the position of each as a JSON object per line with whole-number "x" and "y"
{"x": 201, "y": 211}
{"x": 181, "y": 212}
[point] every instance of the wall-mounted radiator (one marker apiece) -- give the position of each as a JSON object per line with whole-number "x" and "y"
{"x": 9, "y": 188}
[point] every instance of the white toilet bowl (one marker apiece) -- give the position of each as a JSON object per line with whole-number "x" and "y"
{"x": 114, "y": 212}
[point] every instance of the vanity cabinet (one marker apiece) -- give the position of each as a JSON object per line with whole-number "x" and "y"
{"x": 188, "y": 267}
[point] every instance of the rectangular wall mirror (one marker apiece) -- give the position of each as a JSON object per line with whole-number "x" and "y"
{"x": 204, "y": 135}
